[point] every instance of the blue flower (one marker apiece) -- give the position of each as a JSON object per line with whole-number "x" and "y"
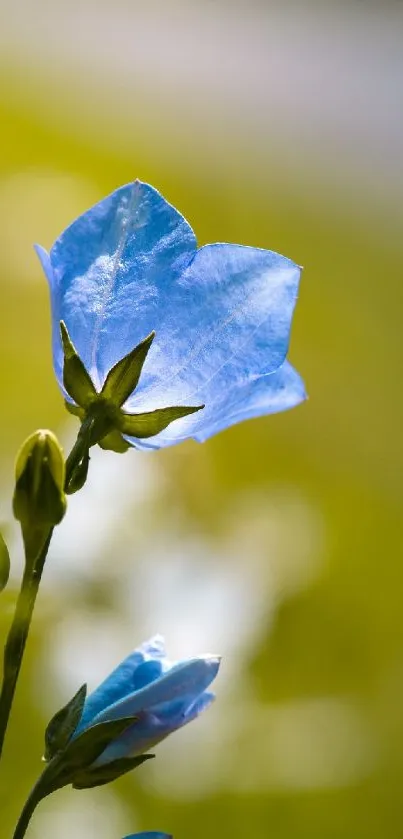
{"x": 222, "y": 314}
{"x": 160, "y": 695}
{"x": 149, "y": 834}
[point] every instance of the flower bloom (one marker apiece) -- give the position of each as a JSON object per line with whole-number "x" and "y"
{"x": 222, "y": 314}
{"x": 160, "y": 695}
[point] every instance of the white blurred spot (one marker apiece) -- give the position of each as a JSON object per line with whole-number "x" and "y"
{"x": 249, "y": 747}
{"x": 75, "y": 815}
{"x": 98, "y": 516}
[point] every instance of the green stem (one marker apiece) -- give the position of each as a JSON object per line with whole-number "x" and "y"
{"x": 76, "y": 455}
{"x": 80, "y": 449}
{"x": 17, "y": 637}
{"x": 29, "y": 808}
{"x": 35, "y": 556}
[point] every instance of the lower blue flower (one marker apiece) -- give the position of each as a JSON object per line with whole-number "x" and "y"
{"x": 162, "y": 696}
{"x": 149, "y": 834}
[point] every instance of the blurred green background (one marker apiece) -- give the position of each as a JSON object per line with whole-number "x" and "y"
{"x": 278, "y": 543}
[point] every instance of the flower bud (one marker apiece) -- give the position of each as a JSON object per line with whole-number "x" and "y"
{"x": 39, "y": 497}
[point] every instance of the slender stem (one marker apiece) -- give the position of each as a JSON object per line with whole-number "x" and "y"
{"x": 30, "y": 805}
{"x": 76, "y": 455}
{"x": 35, "y": 556}
{"x": 17, "y": 637}
{"x": 79, "y": 450}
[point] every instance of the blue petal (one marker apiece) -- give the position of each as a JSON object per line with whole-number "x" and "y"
{"x": 44, "y": 258}
{"x": 149, "y": 834}
{"x": 227, "y": 319}
{"x": 139, "y": 738}
{"x": 124, "y": 679}
{"x": 183, "y": 710}
{"x": 154, "y": 726}
{"x": 188, "y": 678}
{"x": 260, "y": 395}
{"x": 201, "y": 704}
{"x": 113, "y": 268}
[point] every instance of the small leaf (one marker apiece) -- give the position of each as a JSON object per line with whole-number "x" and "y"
{"x": 4, "y": 564}
{"x": 152, "y": 422}
{"x": 109, "y": 772}
{"x": 63, "y": 725}
{"x": 84, "y": 749}
{"x": 123, "y": 378}
{"x": 76, "y": 380}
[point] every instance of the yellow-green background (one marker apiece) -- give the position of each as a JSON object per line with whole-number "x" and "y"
{"x": 295, "y": 521}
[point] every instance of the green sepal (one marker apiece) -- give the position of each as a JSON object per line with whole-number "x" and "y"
{"x": 81, "y": 752}
{"x": 123, "y": 377}
{"x": 115, "y": 442}
{"x": 63, "y": 725}
{"x": 39, "y": 497}
{"x": 152, "y": 422}
{"x": 76, "y": 379}
{"x": 84, "y": 749}
{"x": 75, "y": 410}
{"x": 4, "y": 564}
{"x": 109, "y": 772}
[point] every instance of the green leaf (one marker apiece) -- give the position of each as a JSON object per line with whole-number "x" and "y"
{"x": 123, "y": 378}
{"x": 76, "y": 380}
{"x": 152, "y": 422}
{"x": 63, "y": 725}
{"x": 84, "y": 749}
{"x": 4, "y": 564}
{"x": 105, "y": 774}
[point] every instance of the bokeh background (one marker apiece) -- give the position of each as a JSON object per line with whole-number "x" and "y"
{"x": 278, "y": 543}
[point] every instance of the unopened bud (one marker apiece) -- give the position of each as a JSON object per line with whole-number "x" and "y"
{"x": 39, "y": 497}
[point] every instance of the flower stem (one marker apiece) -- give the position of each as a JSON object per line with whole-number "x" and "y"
{"x": 36, "y": 549}
{"x": 79, "y": 451}
{"x": 30, "y": 805}
{"x": 17, "y": 637}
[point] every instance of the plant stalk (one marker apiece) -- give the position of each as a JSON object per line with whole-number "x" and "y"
{"x": 17, "y": 637}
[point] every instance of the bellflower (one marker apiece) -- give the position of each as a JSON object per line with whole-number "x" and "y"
{"x": 160, "y": 697}
{"x": 221, "y": 313}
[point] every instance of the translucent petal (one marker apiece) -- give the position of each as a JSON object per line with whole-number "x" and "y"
{"x": 254, "y": 397}
{"x": 227, "y": 318}
{"x": 113, "y": 268}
